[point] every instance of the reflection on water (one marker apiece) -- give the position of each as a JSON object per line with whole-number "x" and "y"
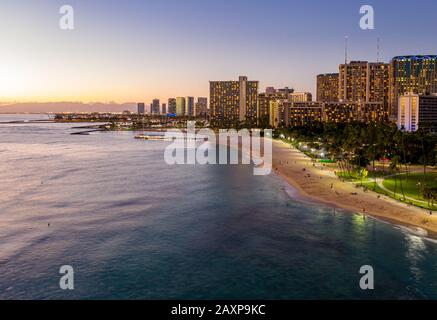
{"x": 133, "y": 227}
{"x": 416, "y": 249}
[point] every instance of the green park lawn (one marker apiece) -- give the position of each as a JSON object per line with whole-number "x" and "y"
{"x": 410, "y": 187}
{"x": 411, "y": 182}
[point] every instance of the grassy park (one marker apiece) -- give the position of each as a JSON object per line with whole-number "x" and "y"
{"x": 381, "y": 158}
{"x": 418, "y": 189}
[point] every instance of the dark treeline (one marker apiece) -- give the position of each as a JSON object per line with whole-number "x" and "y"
{"x": 361, "y": 144}
{"x": 357, "y": 146}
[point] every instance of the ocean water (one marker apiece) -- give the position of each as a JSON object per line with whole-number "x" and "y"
{"x": 133, "y": 227}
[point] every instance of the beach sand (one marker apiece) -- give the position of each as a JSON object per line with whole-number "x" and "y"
{"x": 320, "y": 184}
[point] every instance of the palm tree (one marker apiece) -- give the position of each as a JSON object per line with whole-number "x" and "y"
{"x": 433, "y": 195}
{"x": 422, "y": 139}
{"x": 371, "y": 151}
{"x": 394, "y": 167}
{"x": 427, "y": 193}
{"x": 398, "y": 139}
{"x": 363, "y": 173}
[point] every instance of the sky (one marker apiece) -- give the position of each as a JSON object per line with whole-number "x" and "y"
{"x": 134, "y": 51}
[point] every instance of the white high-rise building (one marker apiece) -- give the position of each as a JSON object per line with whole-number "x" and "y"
{"x": 417, "y": 111}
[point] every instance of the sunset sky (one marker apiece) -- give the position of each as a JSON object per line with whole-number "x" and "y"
{"x": 138, "y": 50}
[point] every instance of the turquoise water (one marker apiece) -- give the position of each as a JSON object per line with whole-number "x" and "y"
{"x": 134, "y": 228}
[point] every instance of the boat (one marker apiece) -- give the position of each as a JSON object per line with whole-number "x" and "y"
{"x": 164, "y": 138}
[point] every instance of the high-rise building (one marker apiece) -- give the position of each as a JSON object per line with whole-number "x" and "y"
{"x": 164, "y": 108}
{"x": 301, "y": 97}
{"x": 362, "y": 81}
{"x": 411, "y": 74}
{"x": 141, "y": 108}
{"x": 201, "y": 107}
{"x": 271, "y": 94}
{"x": 304, "y": 113}
{"x": 278, "y": 113}
{"x": 347, "y": 112}
{"x": 417, "y": 112}
{"x": 155, "y": 106}
{"x": 171, "y": 106}
{"x": 327, "y": 87}
{"x": 189, "y": 107}
{"x": 180, "y": 106}
{"x": 353, "y": 81}
{"x": 234, "y": 100}
{"x": 378, "y": 83}
{"x": 287, "y": 113}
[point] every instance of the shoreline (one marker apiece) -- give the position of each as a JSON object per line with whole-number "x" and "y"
{"x": 314, "y": 185}
{"x": 321, "y": 185}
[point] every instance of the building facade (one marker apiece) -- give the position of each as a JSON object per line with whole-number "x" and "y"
{"x": 180, "y": 106}
{"x": 327, "y": 87}
{"x": 234, "y": 101}
{"x": 352, "y": 81}
{"x": 171, "y": 106}
{"x": 278, "y": 113}
{"x": 347, "y": 112}
{"x": 362, "y": 81}
{"x": 378, "y": 83}
{"x": 201, "y": 107}
{"x": 141, "y": 108}
{"x": 189, "y": 106}
{"x": 411, "y": 74}
{"x": 271, "y": 94}
{"x": 287, "y": 113}
{"x": 417, "y": 112}
{"x": 155, "y": 107}
{"x": 305, "y": 113}
{"x": 301, "y": 97}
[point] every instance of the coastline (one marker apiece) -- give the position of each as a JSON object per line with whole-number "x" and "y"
{"x": 314, "y": 185}
{"x": 320, "y": 184}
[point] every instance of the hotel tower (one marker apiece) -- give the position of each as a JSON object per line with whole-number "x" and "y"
{"x": 233, "y": 101}
{"x": 411, "y": 75}
{"x": 327, "y": 87}
{"x": 362, "y": 81}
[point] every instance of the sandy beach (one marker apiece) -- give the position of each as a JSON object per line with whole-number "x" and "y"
{"x": 320, "y": 184}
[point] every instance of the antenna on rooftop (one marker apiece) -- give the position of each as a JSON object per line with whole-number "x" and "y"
{"x": 345, "y": 49}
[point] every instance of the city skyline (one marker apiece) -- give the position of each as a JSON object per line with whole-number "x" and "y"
{"x": 138, "y": 59}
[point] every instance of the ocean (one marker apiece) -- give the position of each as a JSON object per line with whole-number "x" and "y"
{"x": 133, "y": 227}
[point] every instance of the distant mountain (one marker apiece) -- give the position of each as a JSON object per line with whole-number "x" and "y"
{"x": 43, "y": 107}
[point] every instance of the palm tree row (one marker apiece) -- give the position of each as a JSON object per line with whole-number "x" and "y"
{"x": 356, "y": 146}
